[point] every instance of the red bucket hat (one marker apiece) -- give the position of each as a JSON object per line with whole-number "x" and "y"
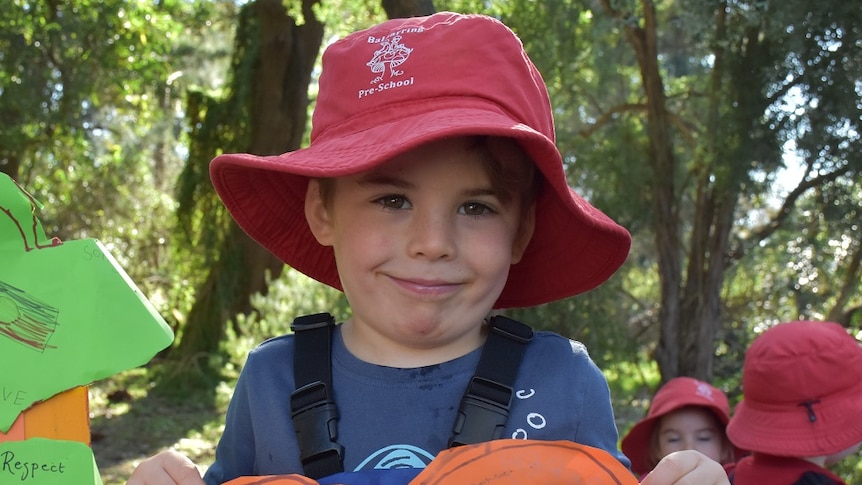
{"x": 403, "y": 83}
{"x": 675, "y": 394}
{"x": 802, "y": 386}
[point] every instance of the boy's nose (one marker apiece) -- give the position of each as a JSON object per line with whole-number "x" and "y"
{"x": 431, "y": 236}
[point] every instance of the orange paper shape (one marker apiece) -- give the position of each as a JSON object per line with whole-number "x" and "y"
{"x": 63, "y": 417}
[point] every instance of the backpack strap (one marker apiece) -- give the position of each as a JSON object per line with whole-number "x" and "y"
{"x": 814, "y": 478}
{"x": 485, "y": 406}
{"x": 481, "y": 416}
{"x": 312, "y": 404}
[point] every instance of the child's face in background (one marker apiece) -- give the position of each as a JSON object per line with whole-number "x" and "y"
{"x": 423, "y": 246}
{"x": 691, "y": 428}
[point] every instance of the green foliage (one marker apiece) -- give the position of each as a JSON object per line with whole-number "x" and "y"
{"x": 728, "y": 81}
{"x": 342, "y": 17}
{"x": 132, "y": 417}
{"x": 291, "y": 295}
{"x": 597, "y": 319}
{"x": 800, "y": 271}
{"x": 90, "y": 102}
{"x": 104, "y": 103}
{"x": 850, "y": 468}
{"x": 632, "y": 384}
{"x": 218, "y": 122}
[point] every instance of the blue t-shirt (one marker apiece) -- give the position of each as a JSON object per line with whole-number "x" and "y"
{"x": 397, "y": 418}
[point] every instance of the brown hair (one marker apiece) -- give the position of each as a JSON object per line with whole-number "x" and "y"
{"x": 512, "y": 172}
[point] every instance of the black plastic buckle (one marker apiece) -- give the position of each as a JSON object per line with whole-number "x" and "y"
{"x": 487, "y": 413}
{"x": 312, "y": 412}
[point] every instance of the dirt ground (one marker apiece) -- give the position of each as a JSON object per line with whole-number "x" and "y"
{"x": 129, "y": 422}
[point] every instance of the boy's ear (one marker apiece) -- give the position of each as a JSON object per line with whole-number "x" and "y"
{"x": 317, "y": 215}
{"x": 525, "y": 233}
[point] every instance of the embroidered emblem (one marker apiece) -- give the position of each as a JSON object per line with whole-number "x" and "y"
{"x": 704, "y": 390}
{"x": 386, "y": 62}
{"x": 392, "y": 54}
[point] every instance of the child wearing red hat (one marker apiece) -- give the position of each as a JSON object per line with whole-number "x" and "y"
{"x": 432, "y": 193}
{"x": 685, "y": 414}
{"x": 802, "y": 405}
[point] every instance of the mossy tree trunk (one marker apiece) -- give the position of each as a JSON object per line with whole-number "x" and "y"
{"x": 280, "y": 56}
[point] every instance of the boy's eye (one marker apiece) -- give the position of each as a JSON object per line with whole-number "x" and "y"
{"x": 476, "y": 209}
{"x": 393, "y": 201}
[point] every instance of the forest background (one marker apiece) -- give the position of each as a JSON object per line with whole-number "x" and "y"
{"x": 725, "y": 135}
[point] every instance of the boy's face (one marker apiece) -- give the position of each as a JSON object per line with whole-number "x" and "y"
{"x": 423, "y": 246}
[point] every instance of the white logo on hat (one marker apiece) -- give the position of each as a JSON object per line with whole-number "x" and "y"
{"x": 704, "y": 390}
{"x": 391, "y": 54}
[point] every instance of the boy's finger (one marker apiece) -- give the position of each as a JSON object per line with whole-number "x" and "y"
{"x": 687, "y": 467}
{"x": 166, "y": 468}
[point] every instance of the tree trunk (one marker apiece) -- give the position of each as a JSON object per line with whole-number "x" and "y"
{"x": 690, "y": 296}
{"x": 10, "y": 166}
{"x": 700, "y": 317}
{"x": 663, "y": 189}
{"x": 839, "y": 312}
{"x": 278, "y": 119}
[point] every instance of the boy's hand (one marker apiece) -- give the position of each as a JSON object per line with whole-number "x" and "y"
{"x": 688, "y": 467}
{"x": 167, "y": 468}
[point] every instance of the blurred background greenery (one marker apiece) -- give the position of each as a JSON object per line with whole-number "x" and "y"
{"x": 724, "y": 135}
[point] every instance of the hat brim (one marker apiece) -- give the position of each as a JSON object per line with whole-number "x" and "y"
{"x": 575, "y": 247}
{"x": 787, "y": 430}
{"x": 636, "y": 444}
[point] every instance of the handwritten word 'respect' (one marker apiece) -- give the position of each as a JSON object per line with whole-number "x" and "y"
{"x": 27, "y": 469}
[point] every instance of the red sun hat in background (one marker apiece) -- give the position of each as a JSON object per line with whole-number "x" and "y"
{"x": 802, "y": 387}
{"x": 675, "y": 394}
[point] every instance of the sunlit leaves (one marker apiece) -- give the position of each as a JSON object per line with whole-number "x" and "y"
{"x": 92, "y": 118}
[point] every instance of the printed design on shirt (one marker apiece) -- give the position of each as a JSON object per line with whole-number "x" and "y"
{"x": 578, "y": 347}
{"x": 386, "y": 62}
{"x": 396, "y": 456}
{"x": 531, "y": 421}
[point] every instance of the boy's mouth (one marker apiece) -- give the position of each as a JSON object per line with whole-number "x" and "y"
{"x": 426, "y": 287}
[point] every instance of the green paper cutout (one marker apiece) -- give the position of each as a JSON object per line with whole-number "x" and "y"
{"x": 42, "y": 461}
{"x": 69, "y": 314}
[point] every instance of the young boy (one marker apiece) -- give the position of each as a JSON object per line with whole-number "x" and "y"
{"x": 432, "y": 193}
{"x": 685, "y": 414}
{"x": 802, "y": 386}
